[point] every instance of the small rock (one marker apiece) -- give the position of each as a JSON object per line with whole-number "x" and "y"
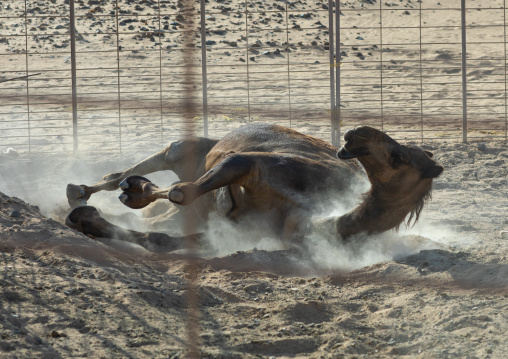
{"x": 482, "y": 146}
{"x": 15, "y": 213}
{"x": 484, "y": 318}
{"x": 55, "y": 334}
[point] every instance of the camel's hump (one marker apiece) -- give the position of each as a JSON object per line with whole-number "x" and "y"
{"x": 263, "y": 137}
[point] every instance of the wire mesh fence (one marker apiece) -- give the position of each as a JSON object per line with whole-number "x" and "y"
{"x": 416, "y": 69}
{"x": 412, "y": 62}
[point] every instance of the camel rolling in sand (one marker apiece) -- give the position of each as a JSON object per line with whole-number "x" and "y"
{"x": 279, "y": 175}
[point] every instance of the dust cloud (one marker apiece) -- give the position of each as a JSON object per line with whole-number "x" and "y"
{"x": 42, "y": 180}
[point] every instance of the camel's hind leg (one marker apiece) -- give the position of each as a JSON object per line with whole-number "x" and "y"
{"x": 255, "y": 173}
{"x": 174, "y": 158}
{"x": 234, "y": 169}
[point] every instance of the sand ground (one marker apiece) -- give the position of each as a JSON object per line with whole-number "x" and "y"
{"x": 438, "y": 290}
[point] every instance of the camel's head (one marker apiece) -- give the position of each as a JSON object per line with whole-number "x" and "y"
{"x": 401, "y": 174}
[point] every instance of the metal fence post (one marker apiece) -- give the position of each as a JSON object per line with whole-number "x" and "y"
{"x": 338, "y": 61}
{"x": 464, "y": 74}
{"x": 72, "y": 28}
{"x": 204, "y": 74}
{"x": 332, "y": 70}
{"x": 27, "y": 79}
{"x": 505, "y": 74}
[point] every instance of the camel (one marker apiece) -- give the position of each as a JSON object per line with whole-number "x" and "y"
{"x": 280, "y": 176}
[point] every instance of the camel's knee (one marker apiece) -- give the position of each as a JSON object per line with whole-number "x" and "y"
{"x": 184, "y": 193}
{"x": 112, "y": 177}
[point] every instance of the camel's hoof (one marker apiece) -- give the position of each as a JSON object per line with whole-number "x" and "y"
{"x": 123, "y": 197}
{"x": 176, "y": 195}
{"x": 79, "y": 216}
{"x": 137, "y": 192}
{"x": 124, "y": 184}
{"x": 134, "y": 183}
{"x": 76, "y": 195}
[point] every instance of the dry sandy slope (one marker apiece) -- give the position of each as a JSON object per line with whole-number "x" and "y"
{"x": 65, "y": 295}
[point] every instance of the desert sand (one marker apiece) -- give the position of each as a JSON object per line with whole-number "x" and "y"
{"x": 436, "y": 290}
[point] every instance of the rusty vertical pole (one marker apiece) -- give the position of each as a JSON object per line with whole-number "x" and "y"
{"x": 189, "y": 110}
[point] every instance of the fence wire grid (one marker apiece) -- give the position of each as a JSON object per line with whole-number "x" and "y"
{"x": 103, "y": 75}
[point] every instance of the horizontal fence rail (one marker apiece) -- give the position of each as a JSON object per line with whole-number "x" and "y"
{"x": 94, "y": 75}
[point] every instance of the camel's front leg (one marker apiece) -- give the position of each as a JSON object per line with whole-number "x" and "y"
{"x": 87, "y": 220}
{"x": 78, "y": 195}
{"x": 176, "y": 157}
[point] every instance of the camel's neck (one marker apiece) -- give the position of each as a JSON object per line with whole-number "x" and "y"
{"x": 379, "y": 212}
